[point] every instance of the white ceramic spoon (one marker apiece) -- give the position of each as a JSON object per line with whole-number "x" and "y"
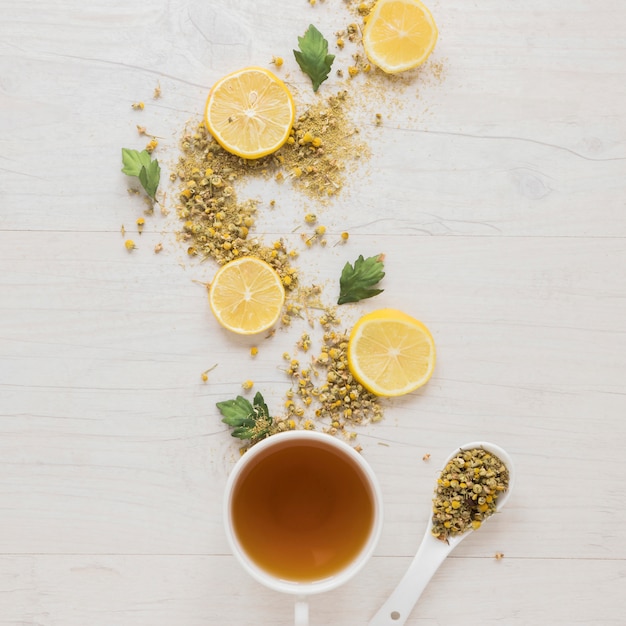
{"x": 431, "y": 554}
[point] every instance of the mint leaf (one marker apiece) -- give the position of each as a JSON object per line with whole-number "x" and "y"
{"x": 313, "y": 57}
{"x": 260, "y": 407}
{"x": 134, "y": 160}
{"x": 249, "y": 421}
{"x": 357, "y": 282}
{"x": 236, "y": 412}
{"x": 149, "y": 178}
{"x": 141, "y": 165}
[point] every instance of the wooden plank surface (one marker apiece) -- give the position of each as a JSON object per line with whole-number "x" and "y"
{"x": 495, "y": 188}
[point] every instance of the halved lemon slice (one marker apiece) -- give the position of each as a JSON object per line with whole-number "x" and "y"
{"x": 250, "y": 112}
{"x": 246, "y": 295}
{"x": 399, "y": 35}
{"x": 390, "y": 353}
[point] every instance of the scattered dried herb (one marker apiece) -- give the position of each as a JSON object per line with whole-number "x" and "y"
{"x": 216, "y": 224}
{"x": 323, "y": 144}
{"x": 205, "y": 375}
{"x": 313, "y": 57}
{"x": 357, "y": 281}
{"x": 325, "y": 388}
{"x": 467, "y": 492}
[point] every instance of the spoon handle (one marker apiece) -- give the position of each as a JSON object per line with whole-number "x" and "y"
{"x": 430, "y": 555}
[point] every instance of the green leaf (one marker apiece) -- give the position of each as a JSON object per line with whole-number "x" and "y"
{"x": 249, "y": 421}
{"x": 141, "y": 165}
{"x": 149, "y": 178}
{"x": 259, "y": 405}
{"x": 236, "y": 412}
{"x": 357, "y": 282}
{"x": 134, "y": 160}
{"x": 313, "y": 57}
{"x": 252, "y": 432}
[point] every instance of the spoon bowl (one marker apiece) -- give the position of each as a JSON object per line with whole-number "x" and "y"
{"x": 432, "y": 552}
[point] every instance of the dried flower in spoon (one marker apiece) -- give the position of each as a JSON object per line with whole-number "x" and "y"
{"x": 467, "y": 492}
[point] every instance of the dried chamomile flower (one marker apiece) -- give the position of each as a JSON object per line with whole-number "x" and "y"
{"x": 467, "y": 492}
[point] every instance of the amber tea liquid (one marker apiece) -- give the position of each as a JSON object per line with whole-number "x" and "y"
{"x": 302, "y": 511}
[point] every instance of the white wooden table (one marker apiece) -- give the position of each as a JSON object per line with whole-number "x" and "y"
{"x": 496, "y": 192}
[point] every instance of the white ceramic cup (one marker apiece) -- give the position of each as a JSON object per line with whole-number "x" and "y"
{"x": 301, "y": 590}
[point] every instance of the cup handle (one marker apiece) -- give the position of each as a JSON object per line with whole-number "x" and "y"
{"x": 301, "y": 612}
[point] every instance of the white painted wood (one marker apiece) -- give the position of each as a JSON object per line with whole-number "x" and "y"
{"x": 197, "y": 590}
{"x": 496, "y": 192}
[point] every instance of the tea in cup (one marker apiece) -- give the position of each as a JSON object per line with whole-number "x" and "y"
{"x": 303, "y": 513}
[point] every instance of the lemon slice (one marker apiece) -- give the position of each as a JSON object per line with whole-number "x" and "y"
{"x": 250, "y": 112}
{"x": 399, "y": 35}
{"x": 390, "y": 353}
{"x": 246, "y": 296}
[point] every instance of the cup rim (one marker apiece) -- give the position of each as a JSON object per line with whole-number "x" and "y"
{"x": 325, "y": 584}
